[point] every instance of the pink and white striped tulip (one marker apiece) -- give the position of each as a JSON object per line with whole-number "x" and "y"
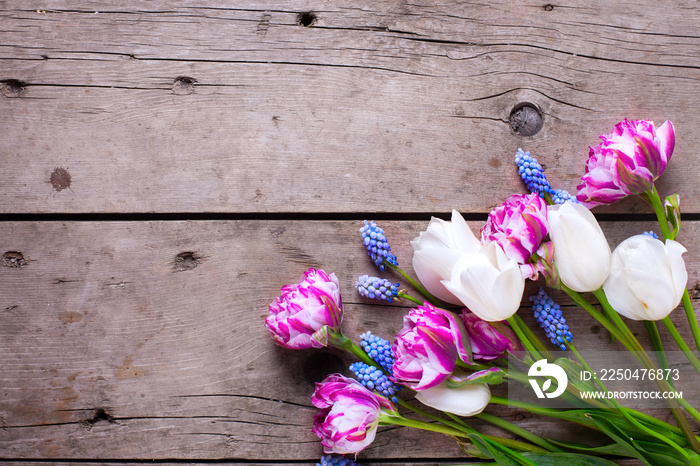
{"x": 627, "y": 162}
{"x": 488, "y": 340}
{"x": 349, "y": 414}
{"x": 518, "y": 226}
{"x": 428, "y": 346}
{"x": 304, "y": 308}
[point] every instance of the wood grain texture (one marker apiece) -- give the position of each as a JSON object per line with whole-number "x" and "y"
{"x": 405, "y": 102}
{"x": 125, "y": 341}
{"x": 145, "y": 340}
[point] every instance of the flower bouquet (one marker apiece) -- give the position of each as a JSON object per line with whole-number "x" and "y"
{"x": 465, "y": 334}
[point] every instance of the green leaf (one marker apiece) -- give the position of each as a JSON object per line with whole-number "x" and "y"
{"x": 612, "y": 449}
{"x": 491, "y": 376}
{"x": 566, "y": 459}
{"x": 672, "y": 204}
{"x": 502, "y": 455}
{"x": 620, "y": 438}
{"x": 661, "y": 451}
{"x": 473, "y": 450}
{"x": 573, "y": 372}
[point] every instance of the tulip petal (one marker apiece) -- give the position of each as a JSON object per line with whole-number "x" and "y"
{"x": 666, "y": 140}
{"x": 622, "y": 299}
{"x": 466, "y": 400}
{"x": 462, "y": 235}
{"x": 647, "y": 278}
{"x": 507, "y": 303}
{"x": 679, "y": 273}
{"x": 436, "y": 235}
{"x": 432, "y": 265}
{"x": 581, "y": 252}
{"x": 471, "y": 281}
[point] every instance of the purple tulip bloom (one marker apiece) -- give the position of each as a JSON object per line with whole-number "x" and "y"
{"x": 427, "y": 347}
{"x": 518, "y": 226}
{"x": 489, "y": 340}
{"x": 627, "y": 162}
{"x": 304, "y": 308}
{"x": 349, "y": 414}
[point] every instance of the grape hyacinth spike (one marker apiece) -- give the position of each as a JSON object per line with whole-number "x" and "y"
{"x": 548, "y": 314}
{"x": 375, "y": 379}
{"x": 377, "y": 288}
{"x": 329, "y": 460}
{"x": 379, "y": 350}
{"x": 532, "y": 174}
{"x": 377, "y": 245}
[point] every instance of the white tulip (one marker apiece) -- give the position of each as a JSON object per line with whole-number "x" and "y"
{"x": 488, "y": 283}
{"x": 581, "y": 252}
{"x": 437, "y": 249}
{"x": 647, "y": 278}
{"x": 466, "y": 400}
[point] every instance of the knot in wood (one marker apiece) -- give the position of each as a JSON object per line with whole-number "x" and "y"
{"x": 12, "y": 88}
{"x": 183, "y": 85}
{"x": 306, "y": 19}
{"x": 525, "y": 119}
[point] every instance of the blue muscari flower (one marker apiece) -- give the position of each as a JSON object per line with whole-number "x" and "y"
{"x": 548, "y": 314}
{"x": 329, "y": 460}
{"x": 375, "y": 379}
{"x": 532, "y": 174}
{"x": 377, "y": 288}
{"x": 560, "y": 196}
{"x": 651, "y": 233}
{"x": 379, "y": 350}
{"x": 377, "y": 245}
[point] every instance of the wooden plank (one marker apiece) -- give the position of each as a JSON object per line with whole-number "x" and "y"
{"x": 145, "y": 340}
{"x": 407, "y": 102}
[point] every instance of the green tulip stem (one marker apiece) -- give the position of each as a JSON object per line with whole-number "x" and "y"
{"x": 584, "y": 304}
{"x": 337, "y": 340}
{"x": 387, "y": 420}
{"x": 408, "y": 297}
{"x": 421, "y": 289}
{"x": 458, "y": 429}
{"x": 638, "y": 350}
{"x": 625, "y": 336}
{"x": 656, "y": 342}
{"x": 655, "y": 200}
{"x": 682, "y": 345}
{"x": 529, "y": 346}
{"x": 519, "y": 431}
{"x": 690, "y": 316}
{"x": 622, "y": 411}
{"x": 537, "y": 343}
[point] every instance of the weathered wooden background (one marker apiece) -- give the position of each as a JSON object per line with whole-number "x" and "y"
{"x": 167, "y": 166}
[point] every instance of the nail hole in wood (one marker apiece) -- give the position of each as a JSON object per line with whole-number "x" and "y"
{"x": 12, "y": 88}
{"x": 183, "y": 85}
{"x": 100, "y": 415}
{"x": 13, "y": 259}
{"x": 548, "y": 7}
{"x": 525, "y": 119}
{"x": 186, "y": 261}
{"x": 306, "y": 19}
{"x": 319, "y": 365}
{"x": 60, "y": 179}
